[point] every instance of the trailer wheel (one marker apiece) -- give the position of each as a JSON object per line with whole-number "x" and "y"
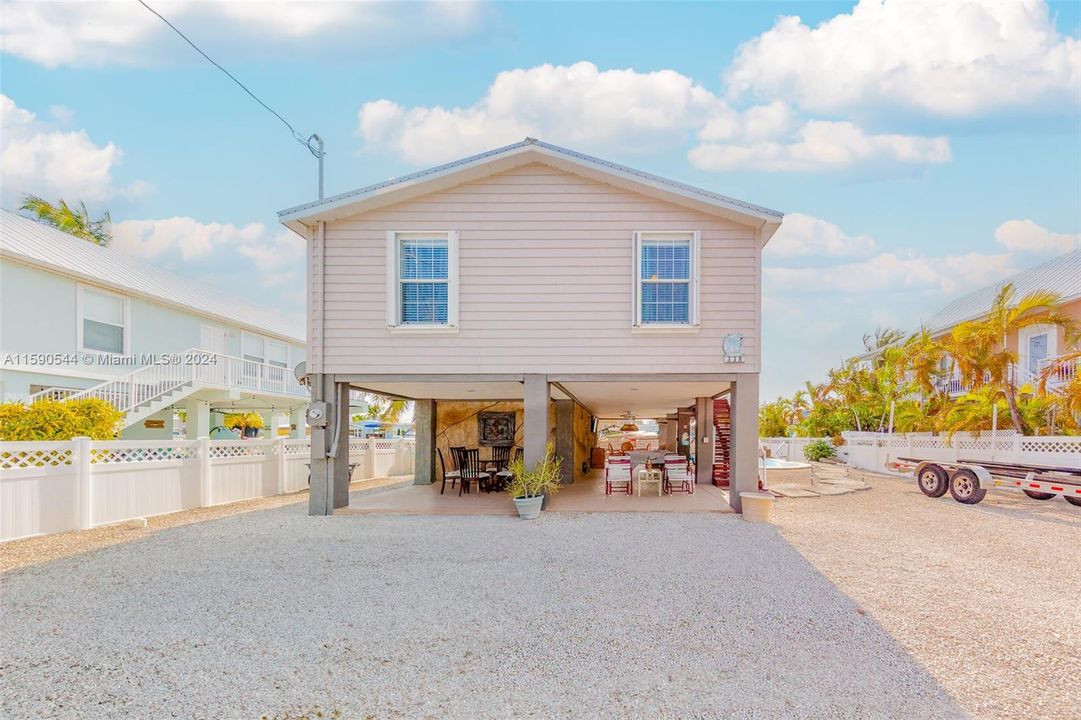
{"x": 933, "y": 481}
{"x": 965, "y": 487}
{"x": 1037, "y": 495}
{"x": 1073, "y": 500}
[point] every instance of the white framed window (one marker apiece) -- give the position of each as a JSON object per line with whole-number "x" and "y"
{"x": 666, "y": 279}
{"x": 422, "y": 280}
{"x": 104, "y": 321}
{"x": 253, "y": 347}
{"x": 277, "y": 354}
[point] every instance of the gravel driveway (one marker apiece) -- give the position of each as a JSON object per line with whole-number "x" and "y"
{"x": 987, "y": 597}
{"x": 622, "y": 615}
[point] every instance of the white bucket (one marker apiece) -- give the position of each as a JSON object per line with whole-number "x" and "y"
{"x": 756, "y": 506}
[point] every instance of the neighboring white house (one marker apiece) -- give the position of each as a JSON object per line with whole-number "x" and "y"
{"x": 77, "y": 319}
{"x": 566, "y": 287}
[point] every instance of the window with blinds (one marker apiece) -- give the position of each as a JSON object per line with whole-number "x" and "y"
{"x": 422, "y": 274}
{"x": 665, "y": 279}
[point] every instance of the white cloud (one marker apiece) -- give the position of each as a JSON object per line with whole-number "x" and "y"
{"x": 956, "y": 58}
{"x": 890, "y": 271}
{"x": 1027, "y": 236}
{"x": 100, "y": 33}
{"x": 268, "y": 251}
{"x": 575, "y": 104}
{"x": 804, "y": 235}
{"x": 37, "y": 158}
{"x": 820, "y": 145}
{"x": 584, "y": 107}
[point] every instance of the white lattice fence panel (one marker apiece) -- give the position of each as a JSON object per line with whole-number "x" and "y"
{"x": 121, "y": 454}
{"x": 239, "y": 449}
{"x": 19, "y": 456}
{"x": 296, "y": 448}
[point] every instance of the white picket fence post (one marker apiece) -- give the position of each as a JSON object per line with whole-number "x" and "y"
{"x": 81, "y": 458}
{"x": 204, "y": 472}
{"x": 279, "y": 461}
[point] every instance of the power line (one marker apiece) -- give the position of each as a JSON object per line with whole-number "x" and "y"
{"x": 296, "y": 136}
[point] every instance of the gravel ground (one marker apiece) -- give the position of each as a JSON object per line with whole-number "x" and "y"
{"x": 43, "y": 548}
{"x": 620, "y": 615}
{"x": 986, "y": 597}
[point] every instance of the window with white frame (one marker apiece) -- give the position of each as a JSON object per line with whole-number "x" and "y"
{"x": 103, "y": 321}
{"x": 422, "y": 279}
{"x": 277, "y": 354}
{"x": 253, "y": 348}
{"x": 666, "y": 293}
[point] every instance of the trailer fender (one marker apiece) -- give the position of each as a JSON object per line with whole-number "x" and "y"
{"x": 986, "y": 481}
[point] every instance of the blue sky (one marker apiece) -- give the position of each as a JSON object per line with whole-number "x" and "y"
{"x": 921, "y": 150}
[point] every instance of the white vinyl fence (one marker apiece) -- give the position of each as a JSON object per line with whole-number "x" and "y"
{"x": 787, "y": 448}
{"x": 871, "y": 451}
{"x": 49, "y": 487}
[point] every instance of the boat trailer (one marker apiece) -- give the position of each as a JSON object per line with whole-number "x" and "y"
{"x": 968, "y": 481}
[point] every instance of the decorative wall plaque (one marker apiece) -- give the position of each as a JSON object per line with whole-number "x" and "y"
{"x": 495, "y": 428}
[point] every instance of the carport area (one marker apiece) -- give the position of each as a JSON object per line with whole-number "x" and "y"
{"x": 529, "y": 411}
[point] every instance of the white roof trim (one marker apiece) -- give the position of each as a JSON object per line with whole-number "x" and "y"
{"x": 521, "y": 153}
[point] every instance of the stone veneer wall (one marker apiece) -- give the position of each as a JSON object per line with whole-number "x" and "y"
{"x": 584, "y": 440}
{"x": 456, "y": 424}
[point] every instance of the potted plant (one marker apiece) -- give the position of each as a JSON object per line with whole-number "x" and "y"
{"x": 528, "y": 488}
{"x": 249, "y": 424}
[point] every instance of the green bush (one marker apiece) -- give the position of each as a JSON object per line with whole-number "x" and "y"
{"x": 49, "y": 419}
{"x": 819, "y": 450}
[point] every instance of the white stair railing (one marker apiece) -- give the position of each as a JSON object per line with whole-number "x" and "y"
{"x": 194, "y": 367}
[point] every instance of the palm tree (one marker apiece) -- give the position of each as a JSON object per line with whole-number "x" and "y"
{"x": 922, "y": 355}
{"x": 1069, "y": 396}
{"x": 981, "y": 347}
{"x": 73, "y": 221}
{"x": 882, "y": 337}
{"x": 384, "y": 409}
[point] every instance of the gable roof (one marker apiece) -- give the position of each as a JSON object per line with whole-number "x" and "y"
{"x": 41, "y": 246}
{"x": 1061, "y": 275}
{"x": 521, "y": 153}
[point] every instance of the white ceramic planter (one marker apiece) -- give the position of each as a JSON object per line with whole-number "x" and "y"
{"x": 529, "y": 508}
{"x": 756, "y": 506}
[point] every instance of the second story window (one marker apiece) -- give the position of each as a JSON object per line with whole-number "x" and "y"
{"x": 422, "y": 280}
{"x": 103, "y": 321}
{"x": 666, "y": 274}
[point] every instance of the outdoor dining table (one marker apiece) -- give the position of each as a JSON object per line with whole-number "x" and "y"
{"x": 639, "y": 457}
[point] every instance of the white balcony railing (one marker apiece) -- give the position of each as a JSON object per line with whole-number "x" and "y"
{"x": 1062, "y": 372}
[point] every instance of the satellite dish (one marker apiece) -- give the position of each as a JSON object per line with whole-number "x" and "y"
{"x": 301, "y": 372}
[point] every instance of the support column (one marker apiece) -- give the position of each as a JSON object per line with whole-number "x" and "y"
{"x": 565, "y": 438}
{"x": 296, "y": 422}
{"x": 198, "y": 422}
{"x": 424, "y": 420}
{"x": 703, "y": 440}
{"x": 339, "y": 463}
{"x": 744, "y": 471}
{"x": 671, "y": 432}
{"x": 536, "y": 419}
{"x": 270, "y": 425}
{"x": 321, "y": 494}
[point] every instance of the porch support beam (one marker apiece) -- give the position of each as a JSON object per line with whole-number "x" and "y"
{"x": 424, "y": 419}
{"x": 340, "y": 462}
{"x": 744, "y": 468}
{"x": 536, "y": 418}
{"x": 198, "y": 422}
{"x": 565, "y": 438}
{"x": 703, "y": 440}
{"x": 321, "y": 491}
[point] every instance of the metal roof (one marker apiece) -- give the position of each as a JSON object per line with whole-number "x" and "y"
{"x": 32, "y": 243}
{"x": 645, "y": 178}
{"x": 1061, "y": 275}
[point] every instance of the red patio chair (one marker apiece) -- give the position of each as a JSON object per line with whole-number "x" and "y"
{"x": 617, "y": 475}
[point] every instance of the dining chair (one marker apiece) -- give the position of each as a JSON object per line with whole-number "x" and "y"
{"x": 504, "y": 476}
{"x": 678, "y": 475}
{"x": 617, "y": 475}
{"x": 453, "y": 475}
{"x": 470, "y": 470}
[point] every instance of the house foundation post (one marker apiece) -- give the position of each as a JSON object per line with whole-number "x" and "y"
{"x": 744, "y": 466}
{"x": 703, "y": 440}
{"x": 536, "y": 419}
{"x": 296, "y": 422}
{"x": 197, "y": 424}
{"x": 339, "y": 463}
{"x": 321, "y": 493}
{"x": 671, "y": 433}
{"x": 424, "y": 421}
{"x": 564, "y": 440}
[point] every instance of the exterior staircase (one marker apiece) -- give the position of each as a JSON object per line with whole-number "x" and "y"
{"x": 722, "y": 445}
{"x": 153, "y": 388}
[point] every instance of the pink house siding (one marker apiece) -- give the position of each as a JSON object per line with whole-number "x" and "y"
{"x": 546, "y": 277}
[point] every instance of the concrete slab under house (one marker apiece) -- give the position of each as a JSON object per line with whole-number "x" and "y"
{"x": 541, "y": 282}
